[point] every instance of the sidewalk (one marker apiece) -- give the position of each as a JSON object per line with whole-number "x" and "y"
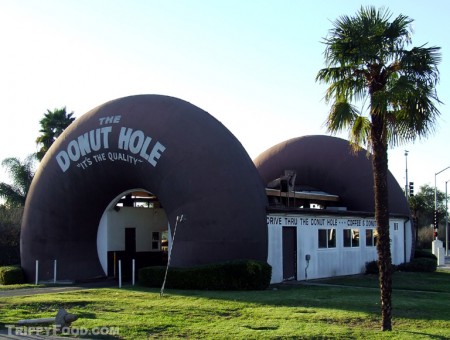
{"x": 446, "y": 266}
{"x": 57, "y": 289}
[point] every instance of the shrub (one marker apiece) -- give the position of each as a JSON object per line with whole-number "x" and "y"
{"x": 151, "y": 276}
{"x": 420, "y": 264}
{"x": 421, "y": 253}
{"x": 371, "y": 267}
{"x": 11, "y": 275}
{"x": 10, "y": 220}
{"x": 230, "y": 275}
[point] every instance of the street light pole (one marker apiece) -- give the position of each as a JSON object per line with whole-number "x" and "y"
{"x": 435, "y": 194}
{"x": 446, "y": 219}
{"x": 406, "y": 172}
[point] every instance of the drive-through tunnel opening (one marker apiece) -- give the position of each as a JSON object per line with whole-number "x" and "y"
{"x": 132, "y": 229}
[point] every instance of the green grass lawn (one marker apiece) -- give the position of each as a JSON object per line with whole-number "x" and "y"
{"x": 421, "y": 310}
{"x": 438, "y": 281}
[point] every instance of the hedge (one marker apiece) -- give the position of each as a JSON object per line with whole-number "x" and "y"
{"x": 10, "y": 275}
{"x": 419, "y": 253}
{"x": 420, "y": 264}
{"x": 230, "y": 275}
{"x": 372, "y": 267}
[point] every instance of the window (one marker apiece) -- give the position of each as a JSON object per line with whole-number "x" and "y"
{"x": 327, "y": 238}
{"x": 371, "y": 237}
{"x": 347, "y": 238}
{"x": 164, "y": 241}
{"x": 351, "y": 237}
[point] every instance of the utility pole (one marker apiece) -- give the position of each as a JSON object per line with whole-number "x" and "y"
{"x": 446, "y": 219}
{"x": 406, "y": 172}
{"x": 435, "y": 199}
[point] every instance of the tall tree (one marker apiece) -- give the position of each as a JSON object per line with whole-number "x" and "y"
{"x": 367, "y": 62}
{"x": 52, "y": 125}
{"x": 22, "y": 173}
{"x": 10, "y": 220}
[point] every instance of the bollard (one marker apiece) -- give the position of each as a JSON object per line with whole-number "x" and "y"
{"x": 133, "y": 272}
{"x": 54, "y": 272}
{"x": 115, "y": 264}
{"x": 120, "y": 274}
{"x": 37, "y": 272}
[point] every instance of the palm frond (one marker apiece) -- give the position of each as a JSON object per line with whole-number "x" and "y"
{"x": 417, "y": 118}
{"x": 413, "y": 103}
{"x": 359, "y": 133}
{"x": 345, "y": 82}
{"x": 421, "y": 63}
{"x": 369, "y": 37}
{"x": 11, "y": 196}
{"x": 21, "y": 173}
{"x": 342, "y": 116}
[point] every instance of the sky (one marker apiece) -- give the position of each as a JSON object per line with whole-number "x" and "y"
{"x": 250, "y": 64}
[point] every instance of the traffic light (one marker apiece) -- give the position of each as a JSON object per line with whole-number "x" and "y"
{"x": 436, "y": 219}
{"x": 411, "y": 189}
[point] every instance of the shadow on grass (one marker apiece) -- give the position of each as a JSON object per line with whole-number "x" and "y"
{"x": 428, "y": 282}
{"x": 427, "y": 335}
{"x": 413, "y": 294}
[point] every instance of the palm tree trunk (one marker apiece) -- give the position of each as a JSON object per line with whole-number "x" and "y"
{"x": 380, "y": 171}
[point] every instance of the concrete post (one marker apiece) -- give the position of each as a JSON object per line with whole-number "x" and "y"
{"x": 438, "y": 251}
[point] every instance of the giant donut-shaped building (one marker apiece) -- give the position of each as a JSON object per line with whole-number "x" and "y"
{"x": 322, "y": 223}
{"x": 155, "y": 144}
{"x": 325, "y": 163}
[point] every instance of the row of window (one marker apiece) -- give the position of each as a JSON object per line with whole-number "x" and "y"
{"x": 327, "y": 238}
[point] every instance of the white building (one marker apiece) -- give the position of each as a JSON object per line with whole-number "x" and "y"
{"x": 312, "y": 246}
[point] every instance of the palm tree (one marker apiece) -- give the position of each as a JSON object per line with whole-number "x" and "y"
{"x": 22, "y": 174}
{"x": 367, "y": 60}
{"x": 52, "y": 125}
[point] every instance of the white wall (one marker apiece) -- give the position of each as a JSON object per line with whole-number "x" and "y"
{"x": 328, "y": 262}
{"x": 111, "y": 232}
{"x": 275, "y": 252}
{"x": 102, "y": 242}
{"x": 145, "y": 220}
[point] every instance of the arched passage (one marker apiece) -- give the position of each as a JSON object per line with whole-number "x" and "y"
{"x": 134, "y": 226}
{"x": 163, "y": 145}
